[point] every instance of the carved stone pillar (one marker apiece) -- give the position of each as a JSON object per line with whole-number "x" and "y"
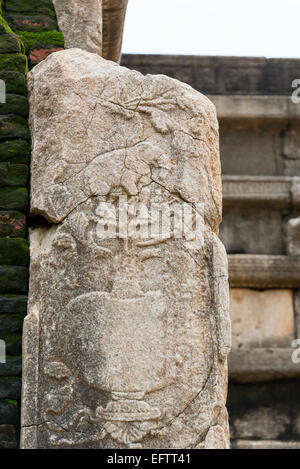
{"x": 128, "y": 331}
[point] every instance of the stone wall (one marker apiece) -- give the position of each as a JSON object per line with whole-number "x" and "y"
{"x": 27, "y": 34}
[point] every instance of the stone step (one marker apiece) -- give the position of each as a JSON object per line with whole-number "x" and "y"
{"x": 264, "y": 444}
{"x": 262, "y": 364}
{"x": 263, "y": 271}
{"x": 282, "y": 192}
{"x": 255, "y": 107}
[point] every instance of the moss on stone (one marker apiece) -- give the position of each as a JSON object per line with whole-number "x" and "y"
{"x": 33, "y": 23}
{"x": 30, "y": 6}
{"x": 14, "y": 63}
{"x": 13, "y": 199}
{"x": 15, "y": 82}
{"x": 15, "y": 104}
{"x": 13, "y": 175}
{"x": 12, "y": 223}
{"x": 41, "y": 40}
{"x": 14, "y": 251}
{"x": 13, "y": 127}
{"x": 15, "y": 151}
{"x": 13, "y": 279}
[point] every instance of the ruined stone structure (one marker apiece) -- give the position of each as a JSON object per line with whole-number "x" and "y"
{"x": 259, "y": 154}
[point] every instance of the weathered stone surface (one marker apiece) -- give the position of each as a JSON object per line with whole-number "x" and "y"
{"x": 261, "y": 423}
{"x": 13, "y": 175}
{"x": 13, "y": 304}
{"x": 248, "y": 365}
{"x": 81, "y": 23}
{"x": 14, "y": 251}
{"x": 30, "y": 22}
{"x": 12, "y": 223}
{"x": 13, "y": 63}
{"x": 15, "y": 104}
{"x": 114, "y": 12}
{"x": 293, "y": 237}
{"x": 15, "y": 151}
{"x": 261, "y": 271}
{"x": 42, "y": 6}
{"x": 11, "y": 323}
{"x": 12, "y": 126}
{"x": 13, "y": 199}
{"x": 12, "y": 367}
{"x": 10, "y": 388}
{"x": 8, "y": 437}
{"x": 262, "y": 319}
{"x": 8, "y": 412}
{"x": 15, "y": 82}
{"x": 13, "y": 279}
{"x": 265, "y": 444}
{"x": 126, "y": 339}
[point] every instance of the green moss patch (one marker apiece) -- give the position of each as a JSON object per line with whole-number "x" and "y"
{"x": 32, "y": 23}
{"x": 14, "y": 251}
{"x": 13, "y": 175}
{"x": 13, "y": 199}
{"x": 14, "y": 63}
{"x": 41, "y": 40}
{"x": 15, "y": 82}
{"x": 15, "y": 151}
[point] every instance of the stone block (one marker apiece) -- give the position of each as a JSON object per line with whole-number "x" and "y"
{"x": 15, "y": 82}
{"x": 81, "y": 24}
{"x": 12, "y": 224}
{"x": 13, "y": 279}
{"x": 10, "y": 388}
{"x": 31, "y": 22}
{"x": 262, "y": 318}
{"x": 13, "y": 198}
{"x": 15, "y": 151}
{"x": 14, "y": 251}
{"x": 12, "y": 126}
{"x": 13, "y": 175}
{"x": 15, "y": 104}
{"x": 8, "y": 437}
{"x": 293, "y": 237}
{"x": 13, "y": 63}
{"x": 12, "y": 367}
{"x": 251, "y": 230}
{"x": 11, "y": 323}
{"x": 13, "y": 304}
{"x": 8, "y": 412}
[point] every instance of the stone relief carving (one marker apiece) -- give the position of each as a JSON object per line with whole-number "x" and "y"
{"x": 134, "y": 329}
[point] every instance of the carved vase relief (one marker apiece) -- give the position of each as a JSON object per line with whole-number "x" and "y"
{"x": 128, "y": 329}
